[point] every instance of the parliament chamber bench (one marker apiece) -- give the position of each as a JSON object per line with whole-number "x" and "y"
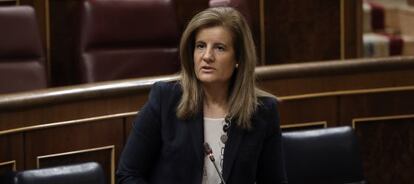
{"x": 91, "y": 122}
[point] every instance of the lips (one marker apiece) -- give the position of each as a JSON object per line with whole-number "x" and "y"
{"x": 207, "y": 69}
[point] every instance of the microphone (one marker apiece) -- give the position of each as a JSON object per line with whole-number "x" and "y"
{"x": 209, "y": 153}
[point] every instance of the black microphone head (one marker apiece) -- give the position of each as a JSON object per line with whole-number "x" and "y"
{"x": 207, "y": 148}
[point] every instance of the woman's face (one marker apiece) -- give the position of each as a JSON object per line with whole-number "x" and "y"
{"x": 214, "y": 55}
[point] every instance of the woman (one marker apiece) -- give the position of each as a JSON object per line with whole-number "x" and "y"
{"x": 214, "y": 101}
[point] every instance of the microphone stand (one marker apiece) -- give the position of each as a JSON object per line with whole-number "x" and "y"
{"x": 209, "y": 152}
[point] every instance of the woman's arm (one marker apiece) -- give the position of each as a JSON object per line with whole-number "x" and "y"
{"x": 142, "y": 148}
{"x": 271, "y": 167}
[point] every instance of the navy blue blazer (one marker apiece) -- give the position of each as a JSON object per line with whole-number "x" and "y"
{"x": 163, "y": 149}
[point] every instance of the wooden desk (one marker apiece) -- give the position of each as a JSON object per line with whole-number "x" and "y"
{"x": 91, "y": 122}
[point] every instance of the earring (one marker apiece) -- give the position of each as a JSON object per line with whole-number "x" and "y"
{"x": 237, "y": 65}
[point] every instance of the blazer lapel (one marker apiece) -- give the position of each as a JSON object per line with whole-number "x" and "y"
{"x": 230, "y": 151}
{"x": 196, "y": 129}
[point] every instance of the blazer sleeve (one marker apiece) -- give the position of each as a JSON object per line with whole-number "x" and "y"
{"x": 271, "y": 167}
{"x": 142, "y": 148}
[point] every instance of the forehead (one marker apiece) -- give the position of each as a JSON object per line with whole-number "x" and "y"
{"x": 215, "y": 34}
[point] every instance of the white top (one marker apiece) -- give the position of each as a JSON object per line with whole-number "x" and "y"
{"x": 213, "y": 129}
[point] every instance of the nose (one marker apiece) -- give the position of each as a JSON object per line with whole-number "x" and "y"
{"x": 208, "y": 55}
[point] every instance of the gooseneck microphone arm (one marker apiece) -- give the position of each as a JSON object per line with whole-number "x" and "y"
{"x": 209, "y": 153}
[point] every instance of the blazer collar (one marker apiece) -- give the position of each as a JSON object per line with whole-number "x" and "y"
{"x": 230, "y": 152}
{"x": 196, "y": 128}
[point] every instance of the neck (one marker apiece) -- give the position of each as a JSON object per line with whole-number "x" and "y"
{"x": 215, "y": 100}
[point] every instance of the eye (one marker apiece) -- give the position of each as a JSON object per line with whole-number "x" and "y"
{"x": 200, "y": 46}
{"x": 220, "y": 48}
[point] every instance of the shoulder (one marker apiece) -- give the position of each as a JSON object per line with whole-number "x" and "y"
{"x": 165, "y": 93}
{"x": 267, "y": 114}
{"x": 166, "y": 88}
{"x": 172, "y": 86}
{"x": 268, "y": 110}
{"x": 267, "y": 103}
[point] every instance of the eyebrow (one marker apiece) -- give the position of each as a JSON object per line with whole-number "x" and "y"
{"x": 216, "y": 43}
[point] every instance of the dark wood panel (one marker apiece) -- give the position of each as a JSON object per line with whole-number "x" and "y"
{"x": 7, "y": 167}
{"x": 253, "y": 7}
{"x": 8, "y": 3}
{"x": 376, "y": 104}
{"x": 303, "y": 126}
{"x": 298, "y": 31}
{"x": 186, "y": 9}
{"x": 387, "y": 148}
{"x": 85, "y": 135}
{"x": 296, "y": 111}
{"x": 77, "y": 109}
{"x": 103, "y": 155}
{"x": 64, "y": 41}
{"x": 337, "y": 82}
{"x": 353, "y": 28}
{"x": 11, "y": 149}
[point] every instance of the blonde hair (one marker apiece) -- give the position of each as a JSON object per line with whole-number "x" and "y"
{"x": 243, "y": 93}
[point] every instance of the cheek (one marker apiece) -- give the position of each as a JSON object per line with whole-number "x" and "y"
{"x": 231, "y": 71}
{"x": 230, "y": 64}
{"x": 228, "y": 68}
{"x": 194, "y": 56}
{"x": 195, "y": 60}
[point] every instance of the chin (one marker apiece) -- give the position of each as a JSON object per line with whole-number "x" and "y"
{"x": 203, "y": 80}
{"x": 211, "y": 81}
{"x": 206, "y": 78}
